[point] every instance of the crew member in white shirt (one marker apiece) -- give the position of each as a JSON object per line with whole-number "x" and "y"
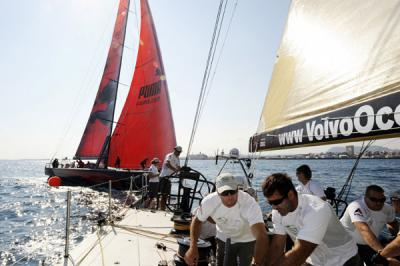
{"x": 153, "y": 182}
{"x": 393, "y": 248}
{"x": 308, "y": 186}
{"x": 170, "y": 165}
{"x": 238, "y": 218}
{"x": 319, "y": 237}
{"x": 365, "y": 219}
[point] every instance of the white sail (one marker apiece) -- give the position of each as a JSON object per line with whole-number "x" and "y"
{"x": 334, "y": 55}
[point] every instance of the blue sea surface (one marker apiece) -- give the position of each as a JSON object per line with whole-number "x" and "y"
{"x": 32, "y": 214}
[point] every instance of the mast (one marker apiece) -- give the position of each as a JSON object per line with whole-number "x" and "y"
{"x": 145, "y": 128}
{"x": 99, "y": 125}
{"x": 108, "y": 139}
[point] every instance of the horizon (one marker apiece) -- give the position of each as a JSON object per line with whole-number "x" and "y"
{"x": 52, "y": 67}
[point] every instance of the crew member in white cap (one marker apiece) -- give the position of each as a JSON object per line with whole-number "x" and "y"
{"x": 393, "y": 248}
{"x": 238, "y": 218}
{"x": 171, "y": 165}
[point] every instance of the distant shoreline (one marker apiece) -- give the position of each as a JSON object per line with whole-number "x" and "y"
{"x": 274, "y": 158}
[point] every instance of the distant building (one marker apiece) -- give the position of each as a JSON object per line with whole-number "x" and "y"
{"x": 200, "y": 156}
{"x": 350, "y": 150}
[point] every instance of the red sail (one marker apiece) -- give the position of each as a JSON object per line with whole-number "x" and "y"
{"x": 99, "y": 125}
{"x": 145, "y": 128}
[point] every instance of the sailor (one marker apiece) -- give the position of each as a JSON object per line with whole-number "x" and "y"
{"x": 319, "y": 237}
{"x": 55, "y": 163}
{"x": 238, "y": 221}
{"x": 365, "y": 219}
{"x": 308, "y": 186}
{"x": 153, "y": 182}
{"x": 117, "y": 162}
{"x": 171, "y": 165}
{"x": 393, "y": 248}
{"x": 80, "y": 163}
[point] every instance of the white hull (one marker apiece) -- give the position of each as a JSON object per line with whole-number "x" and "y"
{"x": 132, "y": 241}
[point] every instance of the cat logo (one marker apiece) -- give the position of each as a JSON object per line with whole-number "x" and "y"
{"x": 358, "y": 212}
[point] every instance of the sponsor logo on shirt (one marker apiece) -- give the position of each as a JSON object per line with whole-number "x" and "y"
{"x": 291, "y": 229}
{"x": 358, "y": 212}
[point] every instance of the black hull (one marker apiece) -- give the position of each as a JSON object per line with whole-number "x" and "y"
{"x": 87, "y": 177}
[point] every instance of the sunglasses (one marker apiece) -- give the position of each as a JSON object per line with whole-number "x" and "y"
{"x": 228, "y": 192}
{"x": 381, "y": 200}
{"x": 277, "y": 201}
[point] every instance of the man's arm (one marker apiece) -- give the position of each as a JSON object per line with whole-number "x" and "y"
{"x": 170, "y": 166}
{"x": 392, "y": 249}
{"x": 297, "y": 255}
{"x": 192, "y": 253}
{"x": 393, "y": 227}
{"x": 368, "y": 236}
{"x": 277, "y": 247}
{"x": 260, "y": 250}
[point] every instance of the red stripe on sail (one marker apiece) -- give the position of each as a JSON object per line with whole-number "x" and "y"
{"x": 99, "y": 125}
{"x": 145, "y": 128}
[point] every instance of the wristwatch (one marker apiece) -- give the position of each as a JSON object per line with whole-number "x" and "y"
{"x": 377, "y": 258}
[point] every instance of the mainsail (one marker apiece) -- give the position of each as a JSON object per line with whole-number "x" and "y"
{"x": 336, "y": 77}
{"x": 99, "y": 125}
{"x": 145, "y": 128}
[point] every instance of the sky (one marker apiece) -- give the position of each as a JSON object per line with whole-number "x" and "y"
{"x": 53, "y": 52}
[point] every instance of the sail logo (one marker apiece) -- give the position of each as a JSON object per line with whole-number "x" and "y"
{"x": 147, "y": 93}
{"x": 295, "y": 136}
{"x": 364, "y": 121}
{"x": 150, "y": 90}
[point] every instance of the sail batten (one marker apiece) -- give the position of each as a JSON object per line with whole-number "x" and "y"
{"x": 334, "y": 62}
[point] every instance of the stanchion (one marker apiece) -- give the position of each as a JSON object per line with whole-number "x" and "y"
{"x": 67, "y": 224}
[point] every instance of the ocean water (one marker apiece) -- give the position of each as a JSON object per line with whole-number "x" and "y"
{"x": 32, "y": 214}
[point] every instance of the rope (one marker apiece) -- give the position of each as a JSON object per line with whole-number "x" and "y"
{"x": 219, "y": 57}
{"x": 101, "y": 247}
{"x": 89, "y": 250}
{"x": 149, "y": 234}
{"x": 347, "y": 185}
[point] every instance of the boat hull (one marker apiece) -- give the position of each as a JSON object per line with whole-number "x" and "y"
{"x": 86, "y": 177}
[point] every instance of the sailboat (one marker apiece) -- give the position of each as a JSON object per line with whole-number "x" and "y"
{"x": 336, "y": 78}
{"x": 145, "y": 128}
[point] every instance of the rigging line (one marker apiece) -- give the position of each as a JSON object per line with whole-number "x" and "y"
{"x": 207, "y": 89}
{"x": 347, "y": 185}
{"x": 101, "y": 247}
{"x": 208, "y": 68}
{"x": 212, "y": 60}
{"x": 355, "y": 167}
{"x": 85, "y": 85}
{"x": 222, "y": 48}
{"x": 204, "y": 80}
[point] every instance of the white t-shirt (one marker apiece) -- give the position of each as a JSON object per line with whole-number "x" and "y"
{"x": 207, "y": 229}
{"x": 234, "y": 222}
{"x": 314, "y": 221}
{"x": 358, "y": 211}
{"x": 174, "y": 160}
{"x": 153, "y": 169}
{"x": 313, "y": 187}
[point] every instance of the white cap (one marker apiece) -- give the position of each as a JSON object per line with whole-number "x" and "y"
{"x": 178, "y": 148}
{"x": 226, "y": 181}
